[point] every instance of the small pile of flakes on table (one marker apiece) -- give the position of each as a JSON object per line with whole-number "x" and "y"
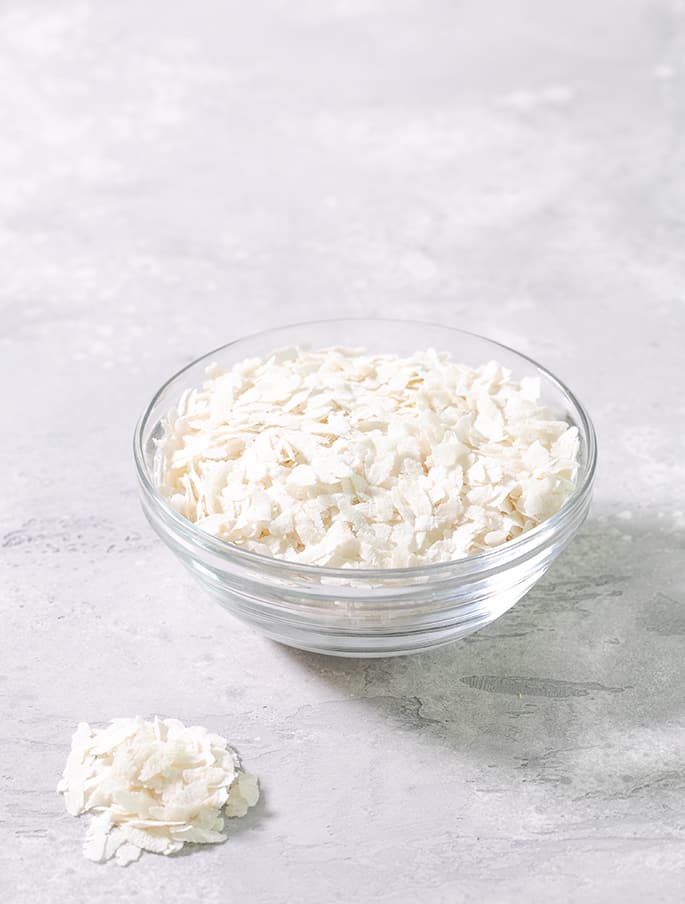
{"x": 154, "y": 786}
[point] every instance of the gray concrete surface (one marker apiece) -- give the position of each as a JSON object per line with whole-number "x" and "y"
{"x": 173, "y": 175}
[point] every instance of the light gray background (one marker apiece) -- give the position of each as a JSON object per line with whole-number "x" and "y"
{"x": 174, "y": 175}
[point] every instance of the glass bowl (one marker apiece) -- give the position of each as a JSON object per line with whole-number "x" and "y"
{"x": 355, "y": 612}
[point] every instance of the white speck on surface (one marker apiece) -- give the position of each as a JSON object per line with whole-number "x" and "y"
{"x": 664, "y": 72}
{"x": 529, "y": 101}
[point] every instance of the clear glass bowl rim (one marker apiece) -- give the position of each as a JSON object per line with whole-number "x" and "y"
{"x": 489, "y": 559}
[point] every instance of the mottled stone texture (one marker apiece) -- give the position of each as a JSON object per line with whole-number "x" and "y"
{"x": 174, "y": 175}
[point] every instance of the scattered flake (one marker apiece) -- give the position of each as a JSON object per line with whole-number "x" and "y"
{"x": 341, "y": 459}
{"x": 127, "y": 853}
{"x": 154, "y": 786}
{"x": 244, "y": 794}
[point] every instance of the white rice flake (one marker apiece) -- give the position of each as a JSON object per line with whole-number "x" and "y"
{"x": 341, "y": 459}
{"x": 153, "y": 786}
